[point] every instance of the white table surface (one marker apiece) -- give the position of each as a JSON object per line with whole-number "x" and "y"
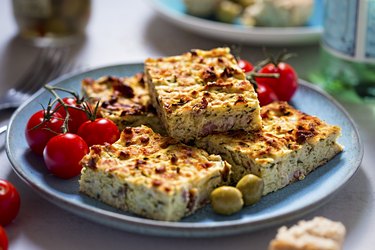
{"x": 130, "y": 31}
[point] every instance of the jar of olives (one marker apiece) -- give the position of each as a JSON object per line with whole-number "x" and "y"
{"x": 51, "y": 22}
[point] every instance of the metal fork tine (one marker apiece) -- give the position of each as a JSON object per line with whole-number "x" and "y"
{"x": 51, "y": 69}
{"x": 36, "y": 74}
{"x": 33, "y": 75}
{"x": 70, "y": 66}
{"x": 60, "y": 65}
{"x": 34, "y": 67}
{"x": 49, "y": 65}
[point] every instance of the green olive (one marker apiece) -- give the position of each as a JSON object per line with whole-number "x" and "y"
{"x": 226, "y": 200}
{"x": 251, "y": 187}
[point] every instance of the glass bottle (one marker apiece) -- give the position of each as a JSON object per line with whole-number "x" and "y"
{"x": 347, "y": 62}
{"x": 51, "y": 22}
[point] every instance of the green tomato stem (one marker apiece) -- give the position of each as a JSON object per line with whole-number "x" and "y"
{"x": 263, "y": 75}
{"x": 79, "y": 100}
{"x": 64, "y": 127}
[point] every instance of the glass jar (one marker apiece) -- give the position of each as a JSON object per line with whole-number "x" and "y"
{"x": 51, "y": 22}
{"x": 347, "y": 62}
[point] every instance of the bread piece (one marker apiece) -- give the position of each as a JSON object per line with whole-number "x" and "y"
{"x": 202, "y": 92}
{"x": 290, "y": 145}
{"x": 125, "y": 101}
{"x": 317, "y": 234}
{"x": 151, "y": 175}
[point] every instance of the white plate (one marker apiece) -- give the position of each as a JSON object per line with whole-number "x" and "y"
{"x": 174, "y": 11}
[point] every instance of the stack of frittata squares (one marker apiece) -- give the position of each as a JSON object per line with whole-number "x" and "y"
{"x": 204, "y": 99}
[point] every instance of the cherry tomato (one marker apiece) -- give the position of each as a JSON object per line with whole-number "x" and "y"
{"x": 265, "y": 94}
{"x": 77, "y": 116}
{"x": 99, "y": 131}
{"x": 246, "y": 66}
{"x": 40, "y": 129}
{"x": 3, "y": 239}
{"x": 9, "y": 202}
{"x": 286, "y": 85}
{"x": 63, "y": 154}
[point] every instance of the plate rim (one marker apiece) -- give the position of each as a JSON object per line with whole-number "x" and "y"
{"x": 174, "y": 229}
{"x": 287, "y": 35}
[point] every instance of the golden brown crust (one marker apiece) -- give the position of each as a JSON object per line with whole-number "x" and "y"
{"x": 198, "y": 76}
{"x": 284, "y": 129}
{"x": 290, "y": 145}
{"x": 157, "y": 160}
{"x": 118, "y": 96}
{"x": 152, "y": 176}
{"x": 201, "y": 92}
{"x": 305, "y": 126}
{"x": 124, "y": 100}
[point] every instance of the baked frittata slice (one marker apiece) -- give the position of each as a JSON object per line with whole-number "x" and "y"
{"x": 290, "y": 145}
{"x": 125, "y": 101}
{"x": 202, "y": 92}
{"x": 151, "y": 175}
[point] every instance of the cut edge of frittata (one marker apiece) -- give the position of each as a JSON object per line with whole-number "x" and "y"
{"x": 123, "y": 100}
{"x": 202, "y": 92}
{"x": 152, "y": 176}
{"x": 290, "y": 146}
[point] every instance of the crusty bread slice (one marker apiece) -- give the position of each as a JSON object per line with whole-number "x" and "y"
{"x": 317, "y": 234}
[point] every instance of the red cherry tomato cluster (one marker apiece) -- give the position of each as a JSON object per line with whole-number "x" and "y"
{"x": 9, "y": 203}
{"x": 265, "y": 94}
{"x": 63, "y": 153}
{"x": 64, "y": 133}
{"x": 9, "y": 207}
{"x": 76, "y": 112}
{"x": 245, "y": 65}
{"x": 41, "y": 127}
{"x": 99, "y": 131}
{"x": 271, "y": 89}
{"x": 3, "y": 239}
{"x": 285, "y": 85}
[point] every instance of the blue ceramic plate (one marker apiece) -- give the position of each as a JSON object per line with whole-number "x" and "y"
{"x": 290, "y": 202}
{"x": 175, "y": 12}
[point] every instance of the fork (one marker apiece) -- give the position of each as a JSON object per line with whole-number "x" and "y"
{"x": 49, "y": 63}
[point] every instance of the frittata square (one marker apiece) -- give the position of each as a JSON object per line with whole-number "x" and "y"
{"x": 202, "y": 92}
{"x": 125, "y": 101}
{"x": 290, "y": 145}
{"x": 151, "y": 175}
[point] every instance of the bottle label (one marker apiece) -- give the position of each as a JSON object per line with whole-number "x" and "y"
{"x": 370, "y": 39}
{"x": 349, "y": 29}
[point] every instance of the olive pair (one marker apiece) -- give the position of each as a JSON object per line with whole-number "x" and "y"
{"x": 227, "y": 200}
